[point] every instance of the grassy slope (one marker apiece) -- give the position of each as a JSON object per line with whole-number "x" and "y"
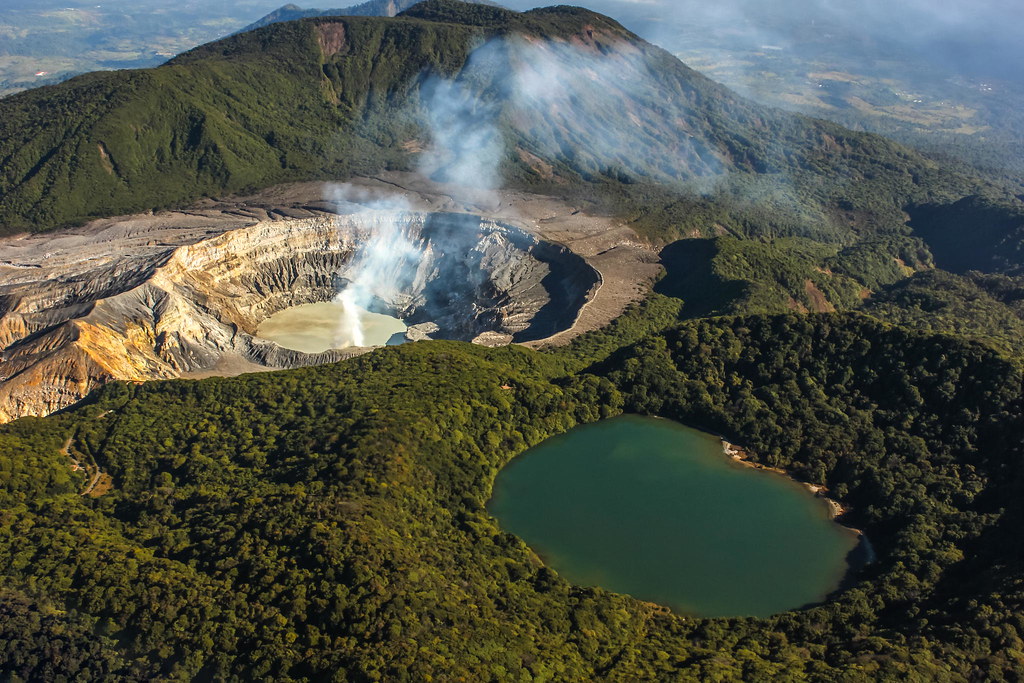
{"x": 269, "y": 106}
{"x": 257, "y": 112}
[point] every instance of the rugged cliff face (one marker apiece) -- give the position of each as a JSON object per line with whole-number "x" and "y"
{"x": 470, "y": 277}
{"x": 69, "y": 327}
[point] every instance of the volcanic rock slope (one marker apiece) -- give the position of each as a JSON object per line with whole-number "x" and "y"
{"x": 580, "y": 105}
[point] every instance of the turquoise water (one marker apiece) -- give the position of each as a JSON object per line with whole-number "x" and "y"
{"x": 655, "y": 509}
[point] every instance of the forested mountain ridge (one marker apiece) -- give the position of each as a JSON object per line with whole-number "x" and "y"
{"x": 372, "y": 8}
{"x": 332, "y": 97}
{"x": 329, "y": 523}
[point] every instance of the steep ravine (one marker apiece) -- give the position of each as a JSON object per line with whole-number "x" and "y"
{"x": 197, "y": 306}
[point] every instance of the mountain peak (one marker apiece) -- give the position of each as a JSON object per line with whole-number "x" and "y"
{"x": 458, "y": 12}
{"x": 579, "y": 101}
{"x": 370, "y": 8}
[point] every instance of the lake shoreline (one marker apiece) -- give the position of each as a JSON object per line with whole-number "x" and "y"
{"x": 862, "y": 554}
{"x": 741, "y": 456}
{"x": 657, "y": 513}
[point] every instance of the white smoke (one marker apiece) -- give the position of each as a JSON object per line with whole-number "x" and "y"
{"x": 465, "y": 150}
{"x": 381, "y": 261}
{"x": 599, "y": 111}
{"x": 564, "y": 101}
{"x": 466, "y": 146}
{"x": 607, "y": 109}
{"x": 350, "y": 325}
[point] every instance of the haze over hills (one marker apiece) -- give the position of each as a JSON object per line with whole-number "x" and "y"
{"x": 47, "y": 41}
{"x": 941, "y": 76}
{"x": 334, "y": 98}
{"x": 935, "y": 76}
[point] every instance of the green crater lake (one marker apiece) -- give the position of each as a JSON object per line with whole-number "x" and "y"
{"x": 648, "y": 507}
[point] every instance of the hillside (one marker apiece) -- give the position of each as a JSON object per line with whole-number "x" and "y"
{"x": 846, "y": 310}
{"x": 372, "y": 8}
{"x": 330, "y": 523}
{"x": 591, "y": 111}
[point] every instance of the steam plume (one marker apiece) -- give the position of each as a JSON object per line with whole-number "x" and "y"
{"x": 466, "y": 146}
{"x": 380, "y": 264}
{"x": 563, "y": 101}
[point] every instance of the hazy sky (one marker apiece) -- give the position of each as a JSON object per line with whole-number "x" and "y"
{"x": 965, "y": 35}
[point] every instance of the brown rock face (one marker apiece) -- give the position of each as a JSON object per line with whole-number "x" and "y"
{"x": 332, "y": 39}
{"x": 78, "y": 318}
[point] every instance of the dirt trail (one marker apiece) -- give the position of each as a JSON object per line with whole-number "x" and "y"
{"x": 99, "y": 481}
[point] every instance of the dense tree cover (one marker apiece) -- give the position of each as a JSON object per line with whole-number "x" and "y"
{"x": 729, "y": 275}
{"x": 920, "y": 435}
{"x": 329, "y": 523}
{"x": 891, "y": 277}
{"x": 980, "y": 306}
{"x": 30, "y": 474}
{"x": 305, "y": 524}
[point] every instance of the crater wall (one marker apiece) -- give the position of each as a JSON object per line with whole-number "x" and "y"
{"x": 196, "y": 307}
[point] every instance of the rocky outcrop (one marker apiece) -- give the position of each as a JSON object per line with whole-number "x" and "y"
{"x": 68, "y": 326}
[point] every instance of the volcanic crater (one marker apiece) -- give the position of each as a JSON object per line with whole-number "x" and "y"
{"x": 170, "y": 310}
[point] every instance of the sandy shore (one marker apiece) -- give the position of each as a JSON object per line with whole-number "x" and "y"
{"x": 740, "y": 455}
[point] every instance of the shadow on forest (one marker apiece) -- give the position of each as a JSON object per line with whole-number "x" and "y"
{"x": 689, "y": 276}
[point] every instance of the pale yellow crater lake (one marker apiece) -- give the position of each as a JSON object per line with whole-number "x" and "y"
{"x": 314, "y": 328}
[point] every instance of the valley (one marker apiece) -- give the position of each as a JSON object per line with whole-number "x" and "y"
{"x": 42, "y": 43}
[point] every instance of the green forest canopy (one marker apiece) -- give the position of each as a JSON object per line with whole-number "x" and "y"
{"x": 329, "y": 522}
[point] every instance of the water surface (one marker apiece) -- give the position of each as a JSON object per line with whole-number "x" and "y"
{"x": 649, "y": 507}
{"x": 314, "y": 328}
